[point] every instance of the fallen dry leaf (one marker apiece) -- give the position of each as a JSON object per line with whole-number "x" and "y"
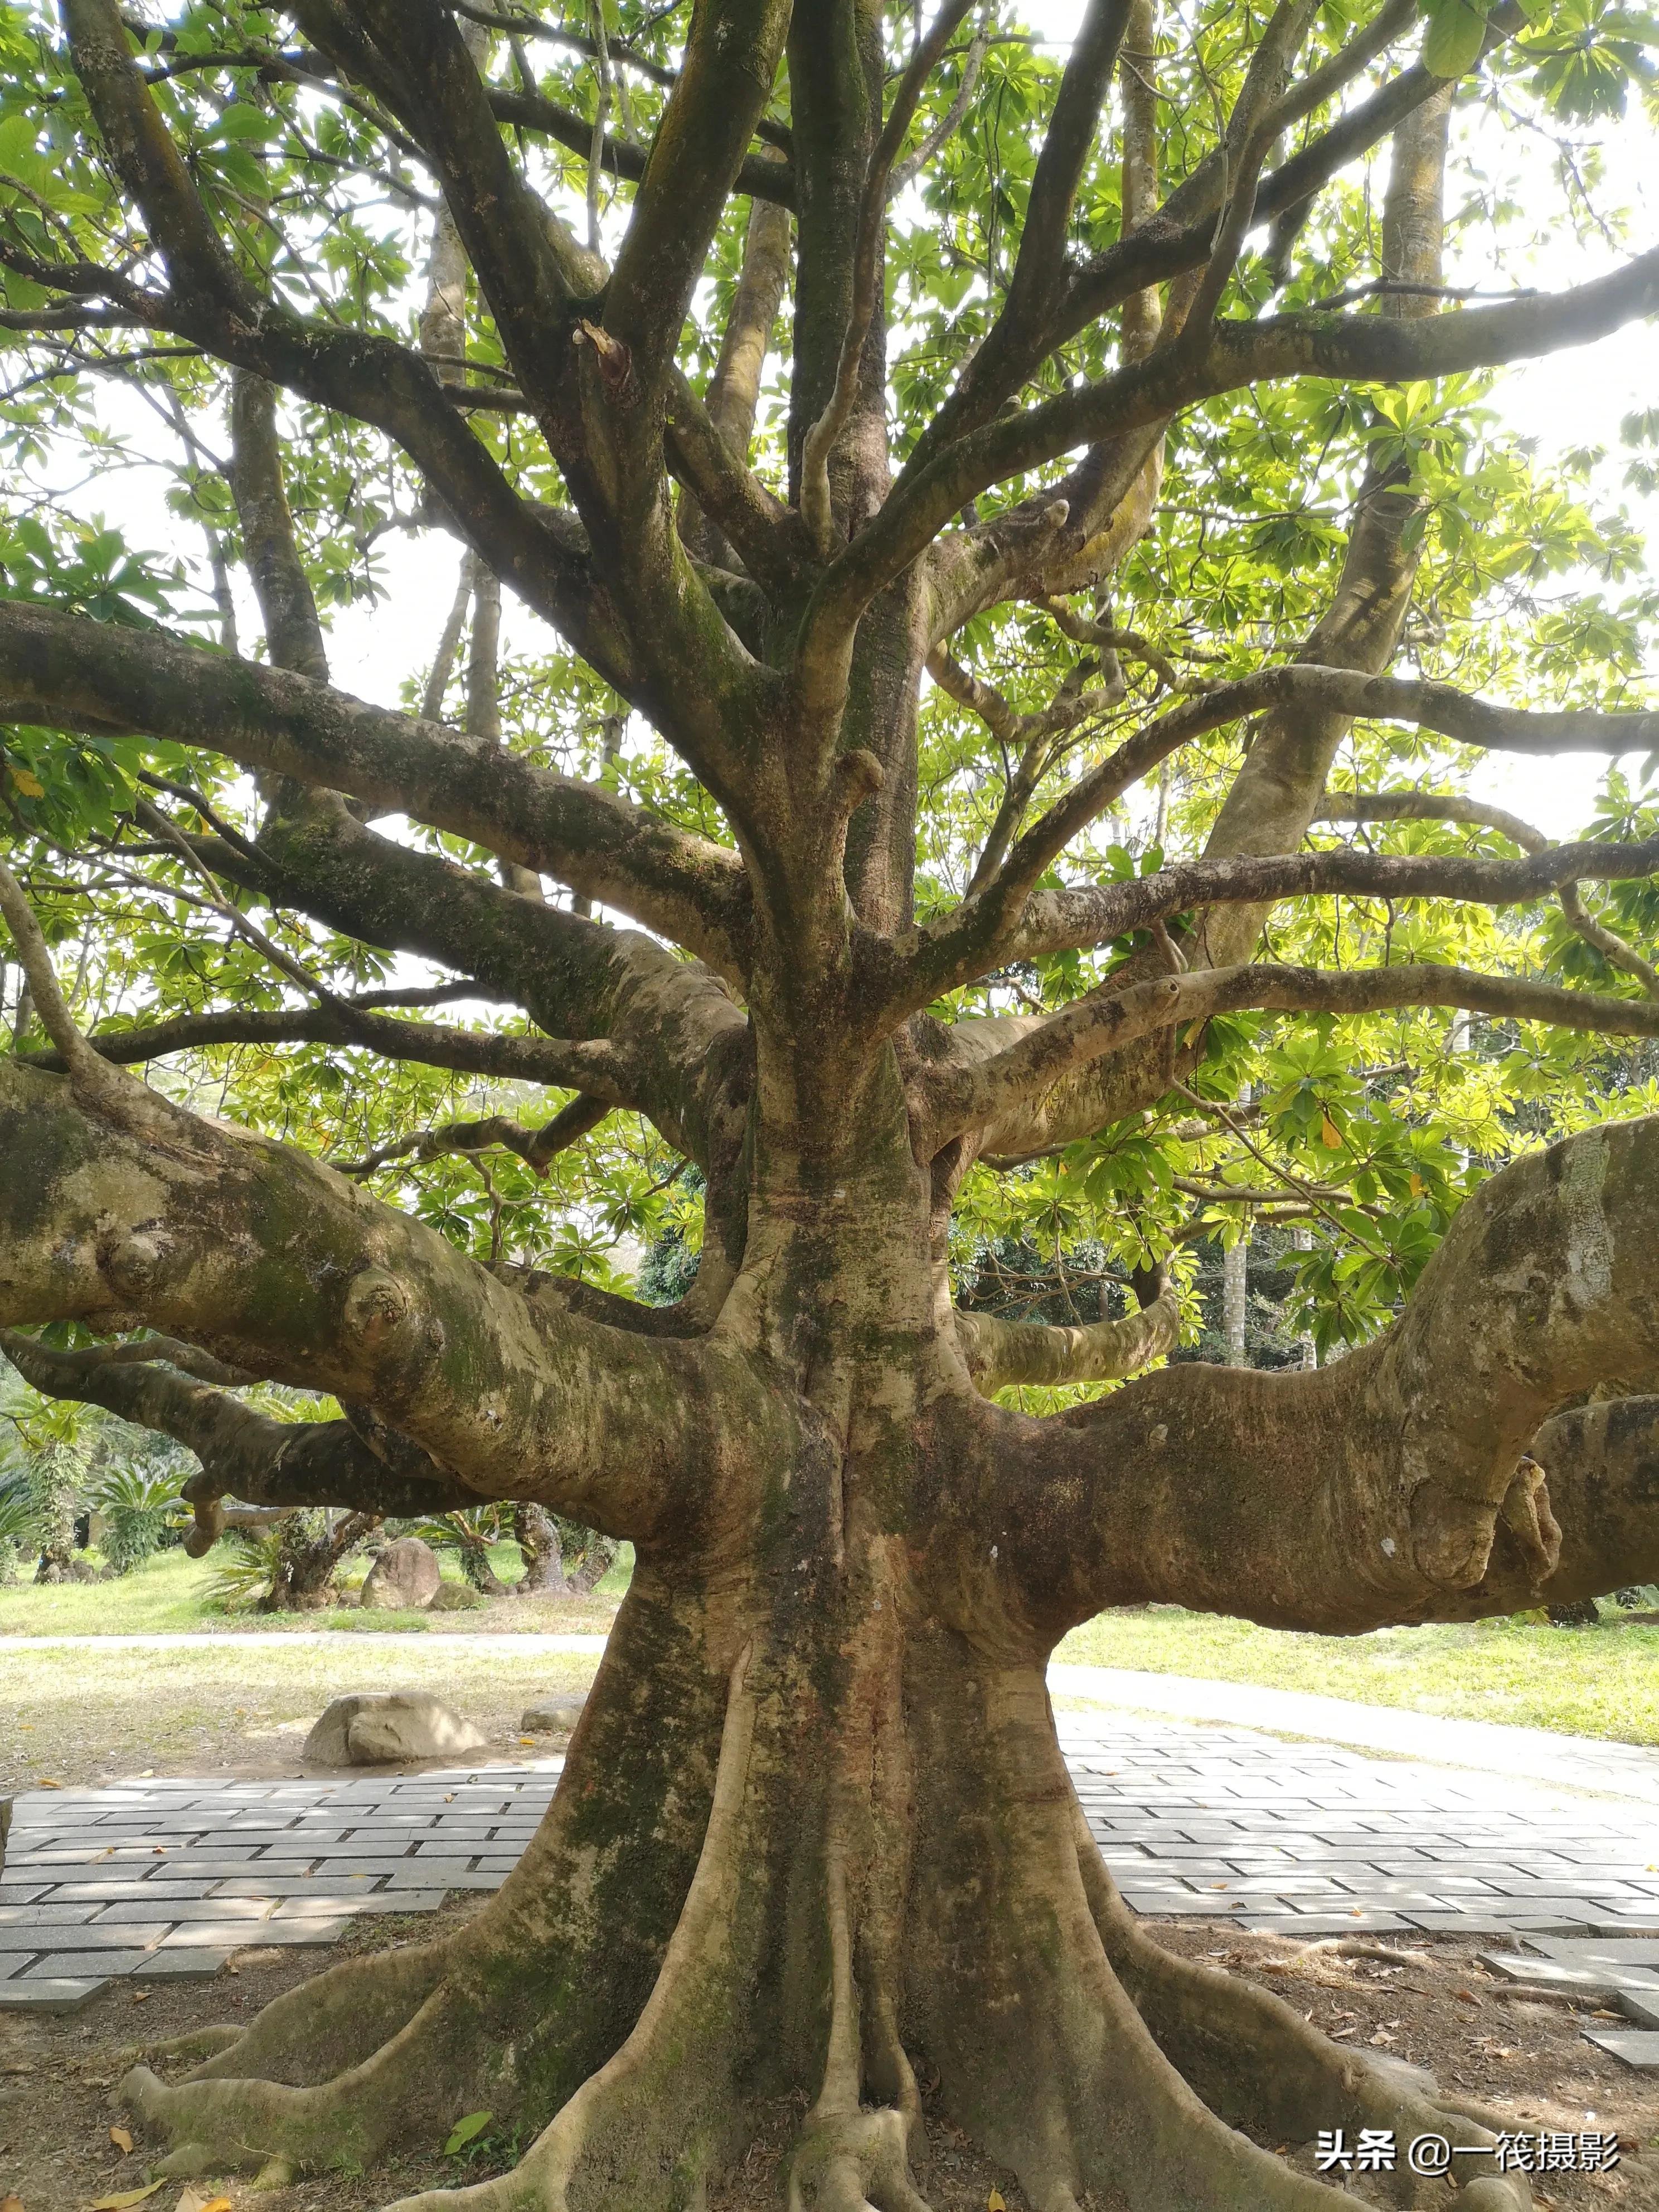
{"x": 140, "y": 1996}
{"x": 995, "y": 2203}
{"x": 120, "y": 2203}
{"x": 43, "y": 1783}
{"x": 122, "y": 2141}
{"x": 11, "y": 2204}
{"x": 193, "y": 2200}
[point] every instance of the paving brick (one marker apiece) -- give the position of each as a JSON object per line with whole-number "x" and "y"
{"x": 401, "y": 1900}
{"x": 74, "y": 1965}
{"x": 1313, "y": 1925}
{"x": 1586, "y": 1978}
{"x": 292, "y": 1885}
{"x": 237, "y": 1935}
{"x": 171, "y": 1965}
{"x": 58, "y": 1993}
{"x": 158, "y": 1891}
{"x": 91, "y": 1937}
{"x": 427, "y": 1876}
{"x": 1637, "y": 2046}
{"x": 1481, "y": 1922}
{"x": 1615, "y": 1950}
{"x": 184, "y": 1910}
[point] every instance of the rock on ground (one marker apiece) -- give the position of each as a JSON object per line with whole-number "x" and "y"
{"x": 404, "y": 1574}
{"x": 457, "y": 1597}
{"x": 378, "y": 1727}
{"x": 552, "y": 1716}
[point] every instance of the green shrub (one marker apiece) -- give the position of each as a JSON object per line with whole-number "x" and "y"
{"x": 247, "y": 1563}
{"x": 139, "y": 1504}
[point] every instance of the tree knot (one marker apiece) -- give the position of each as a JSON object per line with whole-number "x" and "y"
{"x": 859, "y": 776}
{"x": 614, "y": 360}
{"x": 136, "y": 1264}
{"x": 376, "y": 1304}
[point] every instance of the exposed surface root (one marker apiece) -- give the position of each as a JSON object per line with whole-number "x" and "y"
{"x": 1125, "y": 2079}
{"x": 848, "y": 2159}
{"x": 853, "y": 2162}
{"x": 645, "y": 2129}
{"x": 516, "y": 2012}
{"x": 337, "y": 2021}
{"x": 248, "y": 2120}
{"x": 1258, "y": 2063}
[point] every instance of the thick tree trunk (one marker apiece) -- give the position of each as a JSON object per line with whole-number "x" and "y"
{"x": 538, "y": 1547}
{"x": 799, "y": 1846}
{"x": 306, "y": 1561}
{"x": 814, "y": 1837}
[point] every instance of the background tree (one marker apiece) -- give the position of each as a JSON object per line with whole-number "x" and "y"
{"x": 969, "y": 762}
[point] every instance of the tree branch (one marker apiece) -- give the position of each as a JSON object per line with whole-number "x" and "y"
{"x": 76, "y": 674}
{"x": 666, "y": 1027}
{"x": 277, "y": 1265}
{"x": 1006, "y": 918}
{"x": 543, "y": 554}
{"x": 559, "y": 1063}
{"x": 1143, "y": 395}
{"x": 823, "y": 434}
{"x": 734, "y": 388}
{"x": 536, "y": 1147}
{"x": 1395, "y": 1487}
{"x": 1001, "y": 1095}
{"x": 764, "y": 176}
{"x": 1001, "y": 1354}
{"x": 244, "y": 1454}
{"x": 730, "y": 63}
{"x": 1439, "y": 806}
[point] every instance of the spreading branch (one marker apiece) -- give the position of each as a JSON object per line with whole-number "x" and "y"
{"x": 82, "y": 675}
{"x": 1000, "y": 1091}
{"x": 1005, "y": 918}
{"x": 282, "y": 1268}
{"x": 1452, "y": 806}
{"x": 1000, "y": 1354}
{"x": 1144, "y": 395}
{"x": 244, "y": 1454}
{"x": 536, "y": 1147}
{"x": 1417, "y": 1480}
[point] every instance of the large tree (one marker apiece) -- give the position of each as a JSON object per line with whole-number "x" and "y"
{"x": 1112, "y": 440}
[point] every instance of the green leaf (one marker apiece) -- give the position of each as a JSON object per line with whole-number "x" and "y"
{"x": 1458, "y": 30}
{"x": 465, "y": 2129}
{"x": 242, "y": 120}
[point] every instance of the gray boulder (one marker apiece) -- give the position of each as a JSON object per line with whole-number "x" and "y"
{"x": 457, "y": 1597}
{"x": 380, "y": 1727}
{"x": 404, "y": 1575}
{"x": 552, "y": 1715}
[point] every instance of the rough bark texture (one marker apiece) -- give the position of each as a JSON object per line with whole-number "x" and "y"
{"x": 814, "y": 1836}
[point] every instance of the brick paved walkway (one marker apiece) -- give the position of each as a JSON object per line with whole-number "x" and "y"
{"x": 1322, "y": 1841}
{"x": 170, "y": 1877}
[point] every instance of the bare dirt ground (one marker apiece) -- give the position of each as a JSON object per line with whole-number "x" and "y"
{"x": 1433, "y": 2004}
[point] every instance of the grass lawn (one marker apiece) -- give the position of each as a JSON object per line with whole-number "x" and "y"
{"x": 180, "y": 1711}
{"x": 1600, "y": 1681}
{"x": 77, "y": 1714}
{"x": 169, "y": 1595}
